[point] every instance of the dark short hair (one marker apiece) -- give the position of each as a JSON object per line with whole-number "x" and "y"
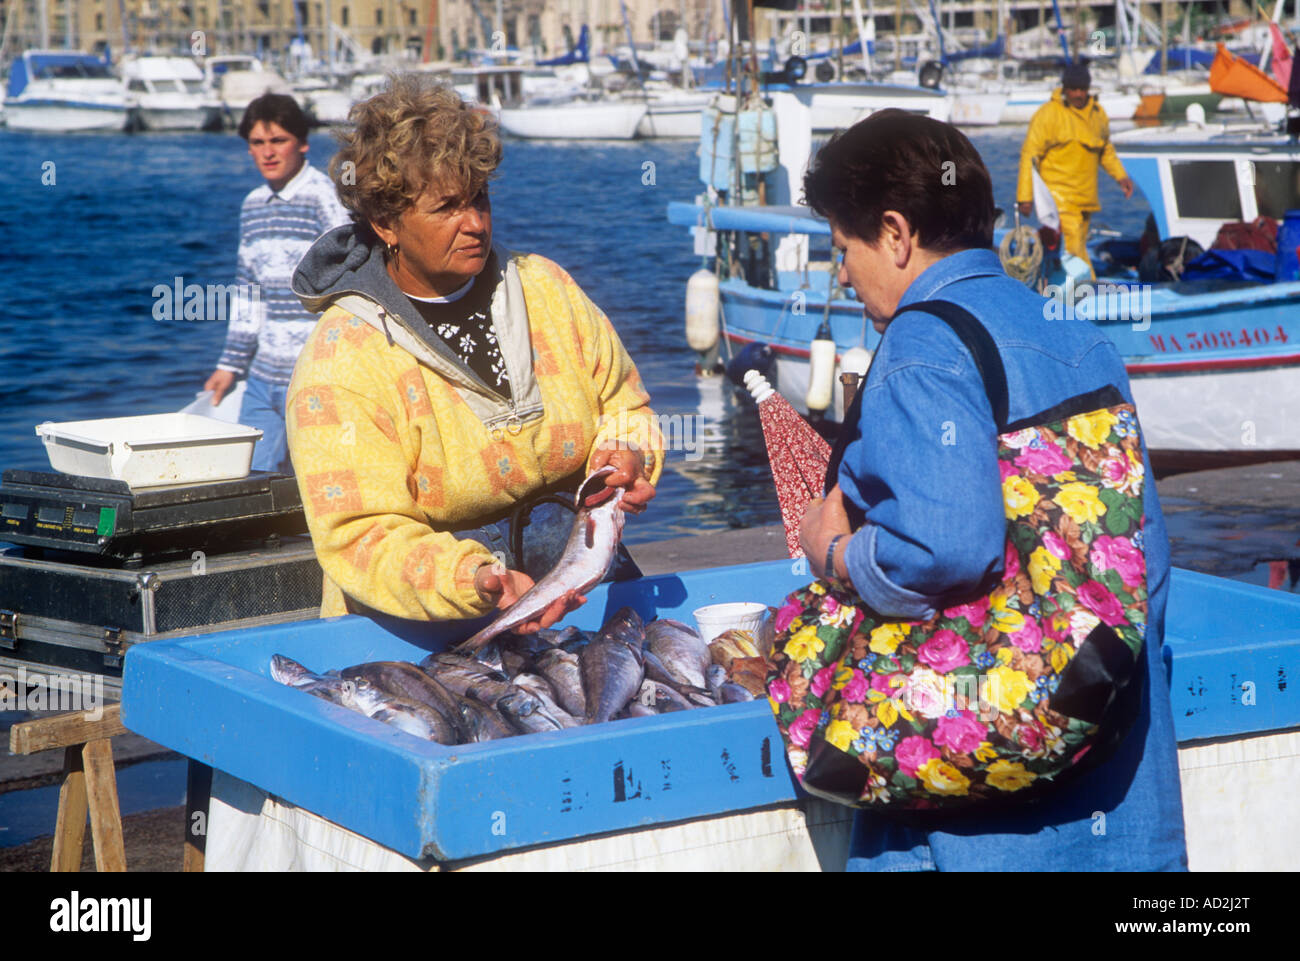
{"x": 894, "y": 160}
{"x": 275, "y": 108}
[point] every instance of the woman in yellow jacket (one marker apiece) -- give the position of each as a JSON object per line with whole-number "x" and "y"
{"x": 1068, "y": 138}
{"x": 450, "y": 383}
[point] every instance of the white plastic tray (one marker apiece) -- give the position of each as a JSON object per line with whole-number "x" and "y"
{"x": 151, "y": 450}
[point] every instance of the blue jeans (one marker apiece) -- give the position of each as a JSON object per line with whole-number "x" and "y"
{"x": 545, "y": 531}
{"x": 263, "y": 408}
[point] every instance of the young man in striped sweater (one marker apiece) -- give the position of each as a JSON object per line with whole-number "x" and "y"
{"x": 278, "y": 222}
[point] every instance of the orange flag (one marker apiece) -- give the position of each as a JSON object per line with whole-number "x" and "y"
{"x": 1234, "y": 77}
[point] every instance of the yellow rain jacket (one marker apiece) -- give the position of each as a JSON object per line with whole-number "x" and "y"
{"x": 1068, "y": 145}
{"x": 394, "y": 445}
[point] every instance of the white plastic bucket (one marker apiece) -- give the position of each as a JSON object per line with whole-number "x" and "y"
{"x": 719, "y": 618}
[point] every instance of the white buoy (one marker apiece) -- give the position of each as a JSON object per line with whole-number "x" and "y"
{"x": 758, "y": 386}
{"x": 821, "y": 370}
{"x": 702, "y": 307}
{"x": 855, "y": 360}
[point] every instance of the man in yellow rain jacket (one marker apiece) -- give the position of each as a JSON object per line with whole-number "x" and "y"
{"x": 1069, "y": 136}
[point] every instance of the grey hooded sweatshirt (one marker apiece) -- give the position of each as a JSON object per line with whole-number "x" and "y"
{"x": 346, "y": 267}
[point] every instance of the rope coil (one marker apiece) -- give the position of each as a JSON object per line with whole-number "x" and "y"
{"x": 1021, "y": 253}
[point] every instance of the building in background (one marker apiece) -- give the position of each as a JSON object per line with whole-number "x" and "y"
{"x": 414, "y": 29}
{"x": 424, "y": 30}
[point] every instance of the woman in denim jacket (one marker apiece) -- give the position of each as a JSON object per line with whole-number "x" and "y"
{"x": 911, "y": 206}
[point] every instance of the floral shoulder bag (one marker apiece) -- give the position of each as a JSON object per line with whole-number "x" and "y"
{"x": 1015, "y": 692}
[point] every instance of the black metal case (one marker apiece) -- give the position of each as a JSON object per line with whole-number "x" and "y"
{"x": 57, "y": 615}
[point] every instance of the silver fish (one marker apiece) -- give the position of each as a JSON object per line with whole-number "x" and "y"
{"x": 716, "y": 676}
{"x": 407, "y": 681}
{"x": 732, "y": 693}
{"x": 667, "y": 699}
{"x": 484, "y": 723}
{"x": 365, "y": 698}
{"x": 285, "y": 670}
{"x": 680, "y": 650}
{"x": 612, "y": 670}
{"x": 328, "y": 686}
{"x": 541, "y": 689}
{"x": 586, "y": 559}
{"x": 466, "y": 676}
{"x": 564, "y": 672}
{"x": 525, "y": 711}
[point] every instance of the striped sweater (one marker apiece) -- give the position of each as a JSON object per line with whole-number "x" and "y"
{"x": 267, "y": 332}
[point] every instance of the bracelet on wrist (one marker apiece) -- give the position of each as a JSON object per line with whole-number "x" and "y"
{"x": 828, "y": 569}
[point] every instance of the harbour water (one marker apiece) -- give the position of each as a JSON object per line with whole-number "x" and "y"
{"x": 98, "y": 222}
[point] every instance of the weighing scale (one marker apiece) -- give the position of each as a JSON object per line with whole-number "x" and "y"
{"x": 97, "y": 566}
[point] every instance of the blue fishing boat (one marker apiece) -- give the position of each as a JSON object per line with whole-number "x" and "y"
{"x": 1213, "y": 356}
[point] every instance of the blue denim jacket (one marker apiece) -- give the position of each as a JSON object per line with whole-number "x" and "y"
{"x": 924, "y": 470}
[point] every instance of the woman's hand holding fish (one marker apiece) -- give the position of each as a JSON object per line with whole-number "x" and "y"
{"x": 824, "y": 519}
{"x": 629, "y": 473}
{"x": 505, "y": 587}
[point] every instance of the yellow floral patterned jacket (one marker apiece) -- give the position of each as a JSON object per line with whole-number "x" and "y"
{"x": 395, "y": 443}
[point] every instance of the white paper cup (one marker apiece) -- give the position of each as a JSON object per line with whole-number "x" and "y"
{"x": 719, "y": 618}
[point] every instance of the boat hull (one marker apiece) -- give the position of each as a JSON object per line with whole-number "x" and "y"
{"x": 1021, "y": 106}
{"x": 53, "y": 116}
{"x": 616, "y": 121}
{"x": 834, "y": 110}
{"x": 977, "y": 109}
{"x": 179, "y": 118}
{"x": 670, "y": 122}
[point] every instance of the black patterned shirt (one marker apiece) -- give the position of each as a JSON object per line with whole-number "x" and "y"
{"x": 463, "y": 320}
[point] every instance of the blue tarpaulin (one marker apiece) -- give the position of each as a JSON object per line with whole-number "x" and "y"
{"x": 1252, "y": 265}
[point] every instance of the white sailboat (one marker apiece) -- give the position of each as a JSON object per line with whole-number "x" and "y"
{"x": 576, "y": 119}
{"x": 670, "y": 111}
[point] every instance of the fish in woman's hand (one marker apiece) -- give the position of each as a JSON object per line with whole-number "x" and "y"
{"x": 589, "y": 551}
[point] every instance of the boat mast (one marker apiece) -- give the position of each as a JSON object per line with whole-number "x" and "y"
{"x": 1164, "y": 45}
{"x": 44, "y": 18}
{"x": 839, "y": 39}
{"x": 627, "y": 29}
{"x": 862, "y": 35}
{"x": 1060, "y": 32}
{"x": 898, "y": 36}
{"x": 938, "y": 32}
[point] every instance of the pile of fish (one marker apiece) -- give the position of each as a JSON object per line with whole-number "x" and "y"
{"x": 547, "y": 681}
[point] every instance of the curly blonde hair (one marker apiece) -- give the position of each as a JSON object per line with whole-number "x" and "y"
{"x": 415, "y": 134}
